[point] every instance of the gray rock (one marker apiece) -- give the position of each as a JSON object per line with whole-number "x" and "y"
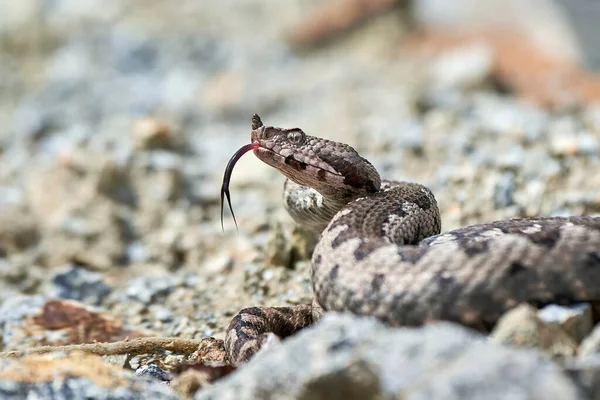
{"x": 77, "y": 283}
{"x": 82, "y": 389}
{"x": 154, "y": 372}
{"x": 513, "y": 159}
{"x": 588, "y": 144}
{"x": 18, "y": 230}
{"x": 58, "y": 376}
{"x": 11, "y": 196}
{"x": 346, "y": 357}
{"x": 409, "y": 134}
{"x": 504, "y": 191}
{"x": 136, "y": 251}
{"x": 147, "y": 289}
{"x": 277, "y": 250}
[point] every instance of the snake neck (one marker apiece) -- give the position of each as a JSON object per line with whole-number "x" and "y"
{"x": 310, "y": 208}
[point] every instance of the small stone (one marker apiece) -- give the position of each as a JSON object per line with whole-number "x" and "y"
{"x": 267, "y": 275}
{"x": 155, "y": 372}
{"x": 115, "y": 182}
{"x": 588, "y": 144}
{"x": 464, "y": 67}
{"x": 504, "y": 190}
{"x": 410, "y": 135}
{"x": 18, "y": 230}
{"x": 21, "y": 271}
{"x": 76, "y": 226}
{"x": 521, "y": 326}
{"x": 584, "y": 143}
{"x": 303, "y": 243}
{"x": 136, "y": 252}
{"x": 149, "y": 133}
{"x": 76, "y": 283}
{"x": 147, "y": 289}
{"x": 162, "y": 160}
{"x": 218, "y": 264}
{"x": 11, "y": 196}
{"x": 277, "y": 250}
{"x": 577, "y": 320}
{"x": 162, "y": 314}
{"x": 564, "y": 145}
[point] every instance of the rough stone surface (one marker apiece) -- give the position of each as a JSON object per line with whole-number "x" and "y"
{"x": 350, "y": 358}
{"x": 77, "y": 376}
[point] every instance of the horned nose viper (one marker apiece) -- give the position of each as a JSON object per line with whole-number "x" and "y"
{"x": 381, "y": 253}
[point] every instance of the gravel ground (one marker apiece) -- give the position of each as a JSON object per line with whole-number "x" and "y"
{"x": 117, "y": 120}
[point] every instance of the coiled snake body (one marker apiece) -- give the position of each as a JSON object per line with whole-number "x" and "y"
{"x": 380, "y": 252}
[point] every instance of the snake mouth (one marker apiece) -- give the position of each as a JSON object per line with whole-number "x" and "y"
{"x": 285, "y": 163}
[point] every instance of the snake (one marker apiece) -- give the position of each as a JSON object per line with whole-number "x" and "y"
{"x": 381, "y": 252}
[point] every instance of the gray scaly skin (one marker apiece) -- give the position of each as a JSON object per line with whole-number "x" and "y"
{"x": 381, "y": 254}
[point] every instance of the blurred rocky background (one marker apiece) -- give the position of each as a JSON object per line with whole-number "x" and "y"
{"x": 117, "y": 119}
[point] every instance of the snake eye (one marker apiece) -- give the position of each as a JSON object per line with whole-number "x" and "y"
{"x": 296, "y": 137}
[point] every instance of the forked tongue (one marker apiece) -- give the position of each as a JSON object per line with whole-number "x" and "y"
{"x": 227, "y": 177}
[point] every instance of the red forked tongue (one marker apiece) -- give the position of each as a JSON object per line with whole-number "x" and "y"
{"x": 227, "y": 177}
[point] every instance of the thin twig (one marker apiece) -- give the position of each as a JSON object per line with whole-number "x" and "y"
{"x": 134, "y": 346}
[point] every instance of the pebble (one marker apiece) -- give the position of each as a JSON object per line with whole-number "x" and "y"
{"x": 588, "y": 144}
{"x": 410, "y": 135}
{"x": 76, "y": 283}
{"x": 136, "y": 252}
{"x": 154, "y": 372}
{"x": 465, "y": 67}
{"x": 148, "y": 133}
{"x": 277, "y": 251}
{"x": 504, "y": 191}
{"x": 148, "y": 289}
{"x": 11, "y": 196}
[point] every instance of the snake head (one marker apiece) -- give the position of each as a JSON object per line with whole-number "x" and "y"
{"x": 331, "y": 168}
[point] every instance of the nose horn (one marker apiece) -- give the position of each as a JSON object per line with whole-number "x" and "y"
{"x": 256, "y": 122}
